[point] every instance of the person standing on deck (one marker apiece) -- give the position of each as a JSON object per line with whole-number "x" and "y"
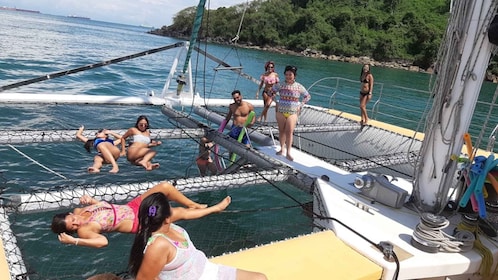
{"x": 367, "y": 83}
{"x": 240, "y": 111}
{"x": 268, "y": 80}
{"x": 288, "y": 108}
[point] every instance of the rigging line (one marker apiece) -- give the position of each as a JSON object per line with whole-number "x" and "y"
{"x": 44, "y": 167}
{"x": 236, "y": 38}
{"x": 224, "y": 64}
{"x": 89, "y": 66}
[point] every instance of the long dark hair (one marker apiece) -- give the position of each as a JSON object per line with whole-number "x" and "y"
{"x": 364, "y": 75}
{"x": 142, "y": 117}
{"x": 59, "y": 223}
{"x": 153, "y": 210}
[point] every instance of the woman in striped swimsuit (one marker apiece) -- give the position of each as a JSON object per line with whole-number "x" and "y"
{"x": 288, "y": 108}
{"x": 91, "y": 221}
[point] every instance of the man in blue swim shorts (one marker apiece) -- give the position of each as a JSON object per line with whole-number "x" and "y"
{"x": 240, "y": 111}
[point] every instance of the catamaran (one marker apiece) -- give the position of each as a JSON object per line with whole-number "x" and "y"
{"x": 387, "y": 202}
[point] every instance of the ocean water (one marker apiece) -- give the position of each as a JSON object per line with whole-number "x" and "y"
{"x": 33, "y": 45}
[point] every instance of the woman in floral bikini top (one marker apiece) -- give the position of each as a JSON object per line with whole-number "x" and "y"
{"x": 268, "y": 80}
{"x": 91, "y": 221}
{"x": 109, "y": 215}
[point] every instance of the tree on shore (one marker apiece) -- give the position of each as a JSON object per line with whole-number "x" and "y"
{"x": 385, "y": 30}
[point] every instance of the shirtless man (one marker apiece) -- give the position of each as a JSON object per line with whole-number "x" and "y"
{"x": 239, "y": 110}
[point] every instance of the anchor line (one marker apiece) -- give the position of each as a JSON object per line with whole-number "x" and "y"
{"x": 89, "y": 66}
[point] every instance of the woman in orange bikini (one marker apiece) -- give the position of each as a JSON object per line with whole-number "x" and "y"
{"x": 288, "y": 108}
{"x": 268, "y": 80}
{"x": 91, "y": 221}
{"x": 367, "y": 82}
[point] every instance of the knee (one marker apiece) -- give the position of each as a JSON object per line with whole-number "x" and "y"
{"x": 164, "y": 187}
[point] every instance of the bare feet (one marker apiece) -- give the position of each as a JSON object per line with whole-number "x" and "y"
{"x": 92, "y": 169}
{"x": 279, "y": 153}
{"x": 152, "y": 166}
{"x": 143, "y": 163}
{"x": 289, "y": 157}
{"x": 222, "y": 205}
{"x": 114, "y": 170}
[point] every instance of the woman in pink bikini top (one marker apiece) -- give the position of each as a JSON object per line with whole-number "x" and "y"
{"x": 91, "y": 221}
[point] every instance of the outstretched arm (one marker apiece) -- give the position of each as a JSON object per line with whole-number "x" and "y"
{"x": 117, "y": 137}
{"x": 371, "y": 84}
{"x": 259, "y": 88}
{"x": 127, "y": 134}
{"x": 79, "y": 134}
{"x": 180, "y": 213}
{"x": 93, "y": 240}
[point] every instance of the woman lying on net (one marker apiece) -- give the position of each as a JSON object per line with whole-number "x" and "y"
{"x": 99, "y": 217}
{"x": 107, "y": 152}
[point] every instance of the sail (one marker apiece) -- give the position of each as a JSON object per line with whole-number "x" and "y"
{"x": 195, "y": 32}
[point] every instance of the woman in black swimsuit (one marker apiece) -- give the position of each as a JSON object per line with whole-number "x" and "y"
{"x": 367, "y": 81}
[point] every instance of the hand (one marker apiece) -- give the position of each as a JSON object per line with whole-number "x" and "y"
{"x": 86, "y": 199}
{"x": 65, "y": 238}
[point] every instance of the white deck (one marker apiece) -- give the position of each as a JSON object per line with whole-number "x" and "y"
{"x": 380, "y": 223}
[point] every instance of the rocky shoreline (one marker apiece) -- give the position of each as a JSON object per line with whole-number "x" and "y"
{"x": 403, "y": 65}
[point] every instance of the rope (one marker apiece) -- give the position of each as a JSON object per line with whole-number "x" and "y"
{"x": 44, "y": 167}
{"x": 430, "y": 231}
{"x": 487, "y": 256}
{"x": 236, "y": 38}
{"x": 449, "y": 60}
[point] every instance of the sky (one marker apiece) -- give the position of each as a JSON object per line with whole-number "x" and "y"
{"x": 152, "y": 13}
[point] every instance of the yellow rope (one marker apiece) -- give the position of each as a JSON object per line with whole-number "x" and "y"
{"x": 487, "y": 256}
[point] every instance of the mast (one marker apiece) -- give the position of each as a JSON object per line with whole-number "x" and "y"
{"x": 464, "y": 56}
{"x": 195, "y": 32}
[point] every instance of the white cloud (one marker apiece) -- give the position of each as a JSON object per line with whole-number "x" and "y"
{"x": 135, "y": 12}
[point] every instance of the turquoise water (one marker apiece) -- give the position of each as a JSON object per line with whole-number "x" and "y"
{"x": 32, "y": 45}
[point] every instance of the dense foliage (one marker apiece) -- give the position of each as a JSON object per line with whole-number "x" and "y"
{"x": 385, "y": 30}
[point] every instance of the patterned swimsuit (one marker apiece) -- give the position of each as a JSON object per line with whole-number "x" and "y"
{"x": 109, "y": 215}
{"x": 190, "y": 263}
{"x": 269, "y": 81}
{"x": 289, "y": 104}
